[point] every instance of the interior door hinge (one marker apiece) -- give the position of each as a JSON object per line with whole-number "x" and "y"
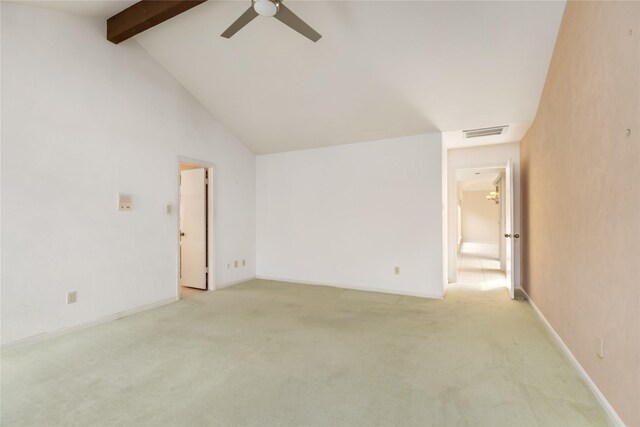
{"x": 206, "y": 269}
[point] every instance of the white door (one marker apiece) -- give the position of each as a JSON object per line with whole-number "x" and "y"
{"x": 509, "y": 230}
{"x": 193, "y": 229}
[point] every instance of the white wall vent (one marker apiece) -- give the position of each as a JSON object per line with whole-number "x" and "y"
{"x": 476, "y": 133}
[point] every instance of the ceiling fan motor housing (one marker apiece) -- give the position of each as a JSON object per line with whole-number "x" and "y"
{"x": 272, "y": 8}
{"x": 266, "y": 7}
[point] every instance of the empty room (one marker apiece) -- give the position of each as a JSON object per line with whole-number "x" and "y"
{"x": 319, "y": 213}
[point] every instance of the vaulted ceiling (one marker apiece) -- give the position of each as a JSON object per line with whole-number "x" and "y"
{"x": 382, "y": 69}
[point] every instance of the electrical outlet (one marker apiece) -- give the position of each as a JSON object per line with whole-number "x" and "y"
{"x": 244, "y": 262}
{"x": 397, "y": 270}
{"x": 125, "y": 202}
{"x": 71, "y": 297}
{"x": 600, "y": 347}
{"x": 228, "y": 265}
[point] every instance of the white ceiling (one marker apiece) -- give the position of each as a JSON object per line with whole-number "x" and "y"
{"x": 477, "y": 185}
{"x": 95, "y": 9}
{"x": 477, "y": 179}
{"x": 382, "y": 69}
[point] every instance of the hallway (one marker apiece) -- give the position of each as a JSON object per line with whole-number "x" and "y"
{"x": 479, "y": 267}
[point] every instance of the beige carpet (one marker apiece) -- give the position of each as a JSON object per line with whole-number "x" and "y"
{"x": 268, "y": 353}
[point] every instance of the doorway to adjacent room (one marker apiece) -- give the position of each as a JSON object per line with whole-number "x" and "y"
{"x": 194, "y": 212}
{"x": 484, "y": 220}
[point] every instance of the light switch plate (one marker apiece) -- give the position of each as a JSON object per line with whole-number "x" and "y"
{"x": 72, "y": 297}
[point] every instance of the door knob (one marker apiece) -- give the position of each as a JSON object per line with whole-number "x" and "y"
{"x": 517, "y": 236}
{"x": 507, "y": 235}
{"x": 182, "y": 234}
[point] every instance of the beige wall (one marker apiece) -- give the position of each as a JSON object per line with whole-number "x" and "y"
{"x": 581, "y": 196}
{"x": 480, "y": 217}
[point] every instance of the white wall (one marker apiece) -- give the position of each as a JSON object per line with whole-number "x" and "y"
{"x": 84, "y": 119}
{"x": 480, "y": 218}
{"x": 484, "y": 156}
{"x": 347, "y": 215}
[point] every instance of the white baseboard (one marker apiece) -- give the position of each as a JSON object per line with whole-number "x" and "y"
{"x": 234, "y": 282}
{"x": 615, "y": 419}
{"x": 45, "y": 336}
{"x": 354, "y": 288}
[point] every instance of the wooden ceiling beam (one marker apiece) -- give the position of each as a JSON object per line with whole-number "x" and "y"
{"x": 144, "y": 15}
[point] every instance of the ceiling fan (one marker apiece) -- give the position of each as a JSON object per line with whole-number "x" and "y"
{"x": 279, "y": 11}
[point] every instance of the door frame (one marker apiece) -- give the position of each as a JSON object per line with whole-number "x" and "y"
{"x": 212, "y": 235}
{"x": 473, "y": 167}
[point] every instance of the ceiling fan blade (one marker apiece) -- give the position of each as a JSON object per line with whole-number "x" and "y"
{"x": 244, "y": 19}
{"x": 287, "y": 17}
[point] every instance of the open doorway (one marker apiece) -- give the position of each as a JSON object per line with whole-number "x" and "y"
{"x": 482, "y": 209}
{"x": 194, "y": 206}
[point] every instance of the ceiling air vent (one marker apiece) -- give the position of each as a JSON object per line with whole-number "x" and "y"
{"x": 476, "y": 133}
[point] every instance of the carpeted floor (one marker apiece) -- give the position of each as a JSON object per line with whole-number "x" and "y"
{"x": 269, "y": 353}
